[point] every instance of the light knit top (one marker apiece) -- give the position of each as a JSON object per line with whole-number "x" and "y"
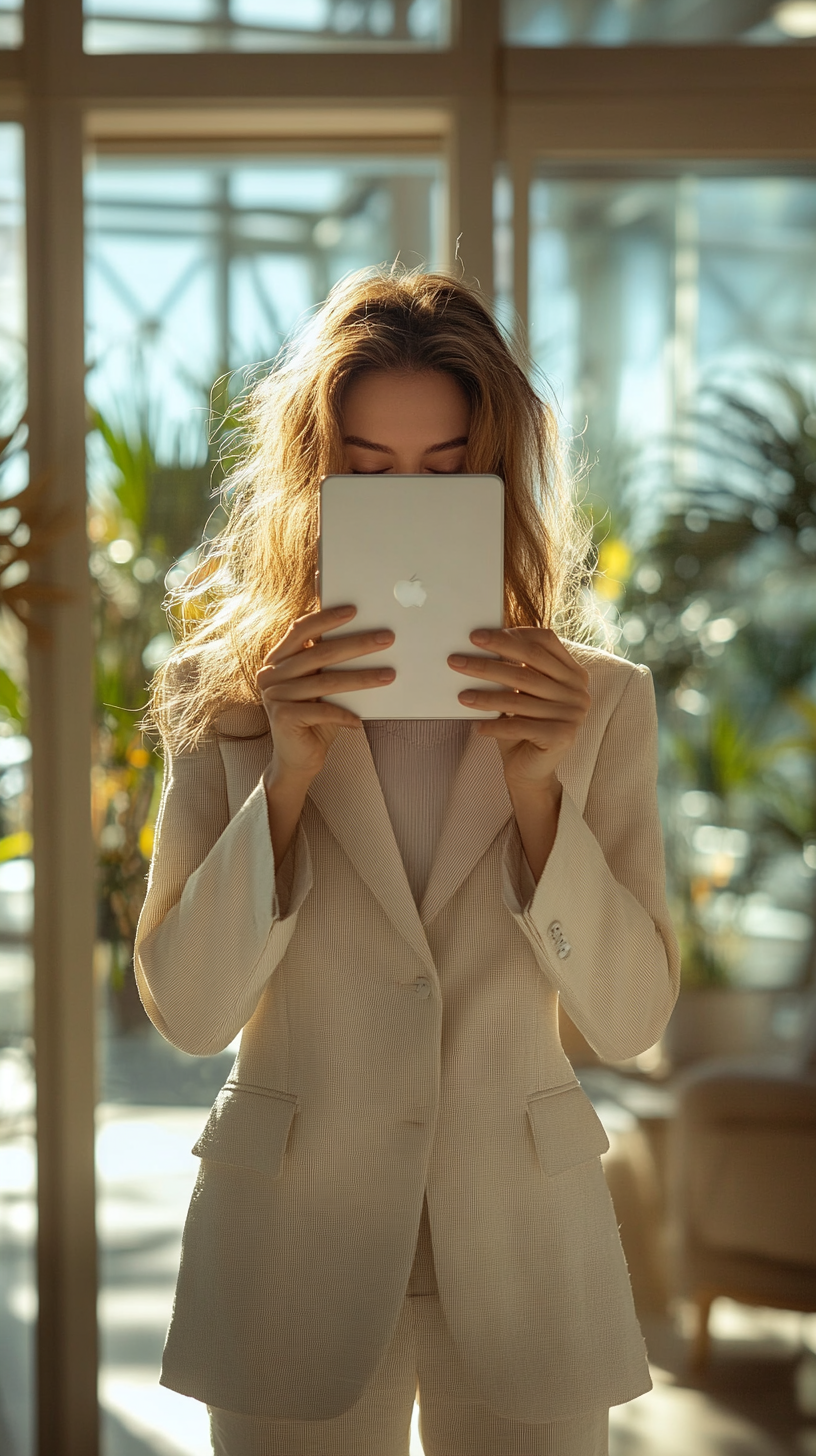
{"x": 416, "y": 762}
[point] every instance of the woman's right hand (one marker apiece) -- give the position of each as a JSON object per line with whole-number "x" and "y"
{"x": 295, "y": 676}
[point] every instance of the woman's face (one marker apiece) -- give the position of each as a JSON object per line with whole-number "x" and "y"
{"x": 405, "y": 424}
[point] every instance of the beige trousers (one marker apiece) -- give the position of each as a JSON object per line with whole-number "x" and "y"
{"x": 421, "y": 1363}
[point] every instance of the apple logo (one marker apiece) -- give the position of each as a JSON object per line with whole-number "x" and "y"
{"x": 410, "y": 593}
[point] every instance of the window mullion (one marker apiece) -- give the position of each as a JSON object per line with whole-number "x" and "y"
{"x": 473, "y": 142}
{"x": 60, "y": 685}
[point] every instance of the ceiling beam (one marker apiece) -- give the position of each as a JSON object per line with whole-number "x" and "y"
{"x": 659, "y": 70}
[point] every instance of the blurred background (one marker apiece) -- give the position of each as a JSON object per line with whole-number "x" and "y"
{"x": 633, "y": 182}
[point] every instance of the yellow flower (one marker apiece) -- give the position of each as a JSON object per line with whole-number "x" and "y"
{"x": 614, "y": 565}
{"x": 16, "y": 846}
{"x": 146, "y": 840}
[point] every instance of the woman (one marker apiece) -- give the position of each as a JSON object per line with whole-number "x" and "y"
{"x": 400, "y": 1190}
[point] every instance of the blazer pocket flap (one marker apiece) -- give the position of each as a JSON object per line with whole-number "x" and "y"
{"x": 566, "y": 1128}
{"x": 248, "y": 1128}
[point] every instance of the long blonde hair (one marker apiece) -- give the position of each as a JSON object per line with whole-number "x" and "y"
{"x": 258, "y": 573}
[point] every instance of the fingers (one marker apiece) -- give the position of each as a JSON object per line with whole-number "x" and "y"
{"x": 523, "y": 706}
{"x": 307, "y": 628}
{"x": 334, "y": 650}
{"x": 549, "y": 737}
{"x": 524, "y": 679}
{"x": 293, "y": 716}
{"x": 316, "y": 685}
{"x": 538, "y": 646}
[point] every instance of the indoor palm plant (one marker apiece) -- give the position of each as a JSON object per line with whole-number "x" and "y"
{"x": 721, "y": 605}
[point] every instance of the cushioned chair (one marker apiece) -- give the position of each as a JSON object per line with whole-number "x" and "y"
{"x": 743, "y": 1185}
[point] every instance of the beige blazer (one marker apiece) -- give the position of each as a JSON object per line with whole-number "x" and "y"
{"x": 388, "y": 1049}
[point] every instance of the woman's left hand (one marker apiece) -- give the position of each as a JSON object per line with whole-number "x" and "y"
{"x": 542, "y": 697}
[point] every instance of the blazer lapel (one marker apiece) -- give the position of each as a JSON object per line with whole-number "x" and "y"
{"x": 477, "y": 809}
{"x": 348, "y": 796}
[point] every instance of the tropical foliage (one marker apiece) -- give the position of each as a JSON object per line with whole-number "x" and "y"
{"x": 721, "y": 604}
{"x": 146, "y": 520}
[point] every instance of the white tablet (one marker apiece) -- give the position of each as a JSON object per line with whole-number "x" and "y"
{"x": 423, "y": 555}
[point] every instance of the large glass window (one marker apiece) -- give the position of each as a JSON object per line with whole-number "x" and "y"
{"x": 668, "y": 22}
{"x": 265, "y": 25}
{"x": 195, "y": 268}
{"x": 18, "y": 1297}
{"x": 643, "y": 288}
{"x": 675, "y": 319}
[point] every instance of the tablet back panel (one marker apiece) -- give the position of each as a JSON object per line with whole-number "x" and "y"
{"x": 442, "y": 538}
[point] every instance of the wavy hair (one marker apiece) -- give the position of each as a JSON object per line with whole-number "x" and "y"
{"x": 258, "y": 574}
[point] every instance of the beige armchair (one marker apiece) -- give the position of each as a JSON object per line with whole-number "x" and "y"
{"x": 743, "y": 1186}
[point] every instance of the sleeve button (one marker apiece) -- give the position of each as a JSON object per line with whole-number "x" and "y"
{"x": 559, "y": 940}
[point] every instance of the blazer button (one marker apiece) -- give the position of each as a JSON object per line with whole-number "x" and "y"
{"x": 422, "y": 987}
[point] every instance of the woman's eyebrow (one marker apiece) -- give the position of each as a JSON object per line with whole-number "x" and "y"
{"x": 447, "y": 445}
{"x": 367, "y": 444}
{"x": 386, "y": 449}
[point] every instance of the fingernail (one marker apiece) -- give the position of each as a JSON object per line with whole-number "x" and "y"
{"x": 479, "y": 636}
{"x": 457, "y": 661}
{"x": 385, "y": 674}
{"x": 383, "y": 636}
{"x": 345, "y": 611}
{"x": 467, "y": 697}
